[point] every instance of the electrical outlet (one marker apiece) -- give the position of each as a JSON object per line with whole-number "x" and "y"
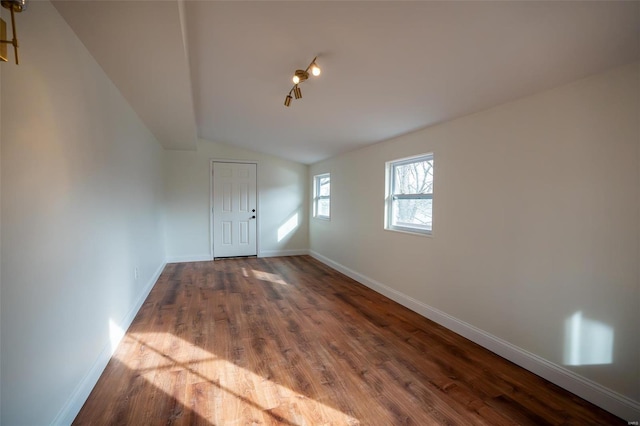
{"x": 135, "y": 273}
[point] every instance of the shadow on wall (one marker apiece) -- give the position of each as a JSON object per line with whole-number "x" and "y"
{"x": 587, "y": 342}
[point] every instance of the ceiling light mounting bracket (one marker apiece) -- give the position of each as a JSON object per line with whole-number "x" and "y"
{"x": 302, "y": 75}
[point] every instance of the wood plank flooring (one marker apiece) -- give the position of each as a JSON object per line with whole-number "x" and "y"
{"x": 291, "y": 341}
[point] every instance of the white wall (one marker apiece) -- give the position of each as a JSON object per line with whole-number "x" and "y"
{"x": 536, "y": 227}
{"x": 81, "y": 192}
{"x": 0, "y": 249}
{"x": 282, "y": 194}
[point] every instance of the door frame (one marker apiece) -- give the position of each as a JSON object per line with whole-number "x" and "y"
{"x": 226, "y": 160}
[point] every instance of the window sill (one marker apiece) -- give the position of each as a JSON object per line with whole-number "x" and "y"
{"x": 325, "y": 218}
{"x": 428, "y": 234}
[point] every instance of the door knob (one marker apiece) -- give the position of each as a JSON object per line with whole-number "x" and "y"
{"x": 252, "y": 217}
{"x": 253, "y": 211}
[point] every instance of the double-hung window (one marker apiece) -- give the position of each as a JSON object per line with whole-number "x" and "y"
{"x": 409, "y": 200}
{"x": 322, "y": 196}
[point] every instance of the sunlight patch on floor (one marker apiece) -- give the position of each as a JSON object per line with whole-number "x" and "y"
{"x": 266, "y": 276}
{"x": 233, "y": 395}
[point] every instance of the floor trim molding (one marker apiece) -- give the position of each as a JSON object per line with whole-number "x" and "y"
{"x": 189, "y": 258}
{"x": 262, "y": 253}
{"x": 80, "y": 394}
{"x": 276, "y": 253}
{"x": 593, "y": 392}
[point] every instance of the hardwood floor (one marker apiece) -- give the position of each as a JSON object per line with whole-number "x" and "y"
{"x": 291, "y": 341}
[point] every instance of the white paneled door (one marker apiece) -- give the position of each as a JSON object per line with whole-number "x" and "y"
{"x": 234, "y": 209}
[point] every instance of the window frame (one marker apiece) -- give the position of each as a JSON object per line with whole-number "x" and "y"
{"x": 390, "y": 197}
{"x": 317, "y": 197}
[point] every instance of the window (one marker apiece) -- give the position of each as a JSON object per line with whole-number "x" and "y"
{"x": 322, "y": 196}
{"x": 409, "y": 203}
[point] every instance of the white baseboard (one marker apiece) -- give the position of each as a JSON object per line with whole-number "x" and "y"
{"x": 615, "y": 403}
{"x": 263, "y": 253}
{"x": 190, "y": 258}
{"x": 80, "y": 394}
{"x": 275, "y": 253}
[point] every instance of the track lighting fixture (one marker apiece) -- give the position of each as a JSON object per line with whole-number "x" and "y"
{"x": 15, "y": 6}
{"x": 298, "y": 77}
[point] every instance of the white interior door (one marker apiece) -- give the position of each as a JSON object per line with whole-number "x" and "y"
{"x": 234, "y": 209}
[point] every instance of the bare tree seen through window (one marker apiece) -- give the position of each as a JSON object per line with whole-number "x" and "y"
{"x": 322, "y": 196}
{"x": 412, "y": 196}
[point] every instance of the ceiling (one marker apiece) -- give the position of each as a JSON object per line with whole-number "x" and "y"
{"x": 220, "y": 70}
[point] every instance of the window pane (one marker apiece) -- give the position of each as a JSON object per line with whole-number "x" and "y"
{"x": 412, "y": 213}
{"x": 324, "y": 186}
{"x": 414, "y": 178}
{"x": 324, "y": 207}
{"x": 321, "y": 195}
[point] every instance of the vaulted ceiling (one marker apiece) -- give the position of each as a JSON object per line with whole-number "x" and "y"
{"x": 220, "y": 70}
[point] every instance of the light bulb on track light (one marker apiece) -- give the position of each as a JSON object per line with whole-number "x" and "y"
{"x": 299, "y": 77}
